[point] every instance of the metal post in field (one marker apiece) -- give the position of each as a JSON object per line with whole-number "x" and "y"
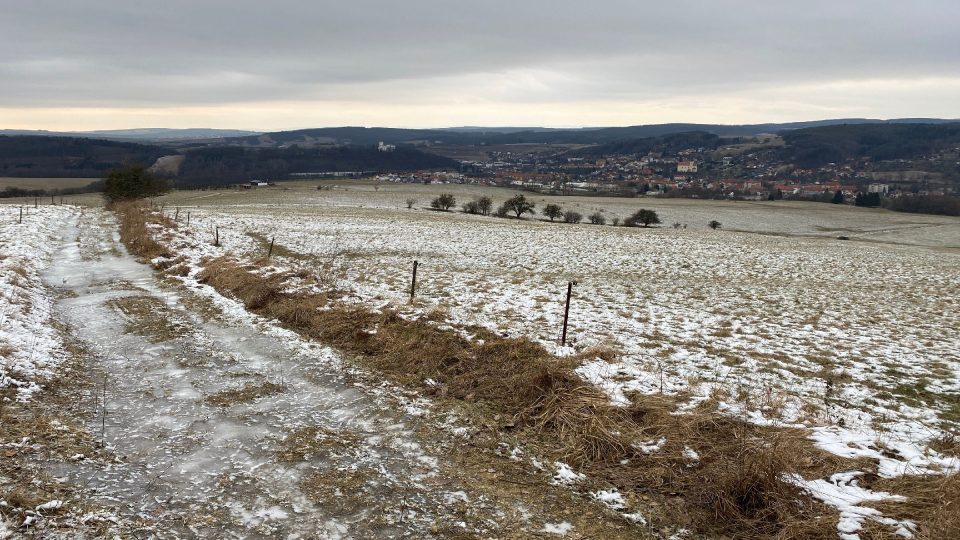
{"x": 36, "y": 202}
{"x": 413, "y": 282}
{"x": 21, "y": 216}
{"x": 188, "y": 219}
{"x": 566, "y": 313}
{"x": 216, "y": 236}
{"x": 270, "y": 251}
{"x": 52, "y": 201}
{"x": 176, "y": 215}
{"x": 103, "y": 416}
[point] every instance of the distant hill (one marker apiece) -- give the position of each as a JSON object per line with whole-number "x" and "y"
{"x": 466, "y": 135}
{"x": 161, "y": 134}
{"x": 141, "y": 134}
{"x": 231, "y": 164}
{"x": 670, "y": 144}
{"x": 511, "y": 135}
{"x": 69, "y": 157}
{"x": 277, "y": 155}
{"x": 504, "y": 129}
{"x": 361, "y": 136}
{"x": 815, "y": 147}
{"x": 72, "y": 157}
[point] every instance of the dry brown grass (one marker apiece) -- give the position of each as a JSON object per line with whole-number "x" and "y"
{"x": 134, "y": 233}
{"x": 306, "y": 443}
{"x": 343, "y": 491}
{"x": 735, "y": 489}
{"x": 948, "y": 443}
{"x": 52, "y": 423}
{"x": 933, "y": 502}
{"x": 245, "y": 394}
{"x": 148, "y": 316}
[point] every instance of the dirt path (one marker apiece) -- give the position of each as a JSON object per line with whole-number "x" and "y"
{"x": 226, "y": 426}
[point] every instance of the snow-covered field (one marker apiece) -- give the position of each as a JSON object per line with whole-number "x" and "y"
{"x": 781, "y": 320}
{"x": 771, "y": 315}
{"x": 805, "y": 328}
{"x": 30, "y": 347}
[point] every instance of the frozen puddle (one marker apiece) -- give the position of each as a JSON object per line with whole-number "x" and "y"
{"x": 197, "y": 413}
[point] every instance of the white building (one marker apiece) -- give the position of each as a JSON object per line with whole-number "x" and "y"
{"x": 687, "y": 167}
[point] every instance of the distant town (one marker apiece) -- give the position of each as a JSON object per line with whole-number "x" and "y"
{"x": 720, "y": 173}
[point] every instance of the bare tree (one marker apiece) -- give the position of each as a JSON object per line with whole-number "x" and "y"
{"x": 519, "y": 205}
{"x": 444, "y": 202}
{"x": 484, "y": 204}
{"x": 644, "y": 217}
{"x": 552, "y": 211}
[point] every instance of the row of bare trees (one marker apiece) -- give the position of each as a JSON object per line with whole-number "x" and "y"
{"x": 518, "y": 205}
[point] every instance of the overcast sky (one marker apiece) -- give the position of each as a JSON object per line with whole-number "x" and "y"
{"x": 279, "y": 64}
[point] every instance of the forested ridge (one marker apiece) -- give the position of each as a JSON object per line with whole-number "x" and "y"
{"x": 69, "y": 157}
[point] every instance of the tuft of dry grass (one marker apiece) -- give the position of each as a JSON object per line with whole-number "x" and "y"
{"x": 948, "y": 443}
{"x": 304, "y": 443}
{"x": 255, "y": 291}
{"x": 245, "y": 394}
{"x": 932, "y": 502}
{"x": 134, "y": 232}
{"x": 343, "y": 491}
{"x": 150, "y": 317}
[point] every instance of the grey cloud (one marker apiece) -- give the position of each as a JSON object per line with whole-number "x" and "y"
{"x": 139, "y": 53}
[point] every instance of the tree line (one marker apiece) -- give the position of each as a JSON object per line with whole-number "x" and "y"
{"x": 815, "y": 147}
{"x": 232, "y": 164}
{"x": 30, "y": 156}
{"x": 518, "y": 206}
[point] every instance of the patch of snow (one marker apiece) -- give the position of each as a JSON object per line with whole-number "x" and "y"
{"x": 842, "y": 492}
{"x": 32, "y": 347}
{"x": 50, "y": 505}
{"x": 651, "y": 446}
{"x": 610, "y": 497}
{"x": 5, "y": 531}
{"x": 565, "y": 475}
{"x": 902, "y": 456}
{"x": 561, "y": 528}
{"x": 453, "y": 497}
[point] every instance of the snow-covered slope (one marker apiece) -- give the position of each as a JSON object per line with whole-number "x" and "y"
{"x": 30, "y": 346}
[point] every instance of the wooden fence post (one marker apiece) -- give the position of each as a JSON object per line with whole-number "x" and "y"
{"x": 413, "y": 282}
{"x": 566, "y": 313}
